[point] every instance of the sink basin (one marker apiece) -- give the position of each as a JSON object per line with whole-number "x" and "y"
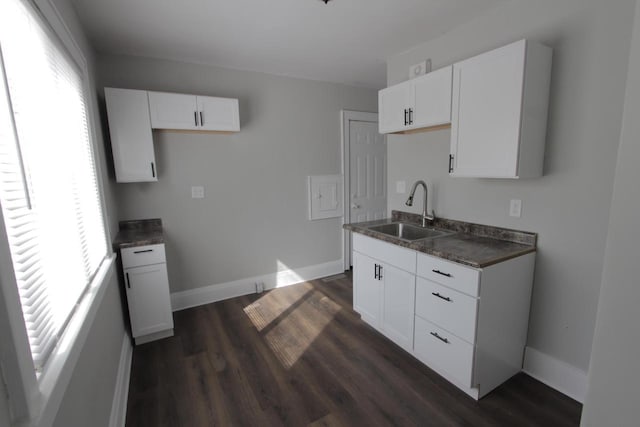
{"x": 408, "y": 231}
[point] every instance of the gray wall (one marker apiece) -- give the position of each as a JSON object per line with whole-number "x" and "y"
{"x": 253, "y": 220}
{"x": 88, "y": 399}
{"x": 569, "y": 206}
{"x": 612, "y": 398}
{"x": 4, "y": 411}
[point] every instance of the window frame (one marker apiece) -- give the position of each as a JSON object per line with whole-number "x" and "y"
{"x": 33, "y": 400}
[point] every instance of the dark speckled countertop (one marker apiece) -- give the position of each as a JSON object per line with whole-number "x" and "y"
{"x": 139, "y": 233}
{"x": 470, "y": 244}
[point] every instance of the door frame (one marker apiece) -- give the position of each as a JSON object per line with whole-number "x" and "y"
{"x": 346, "y": 117}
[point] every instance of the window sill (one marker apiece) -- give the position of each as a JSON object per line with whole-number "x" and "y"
{"x": 54, "y": 380}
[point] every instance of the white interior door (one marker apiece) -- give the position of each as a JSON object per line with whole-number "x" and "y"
{"x": 364, "y": 163}
{"x": 368, "y": 172}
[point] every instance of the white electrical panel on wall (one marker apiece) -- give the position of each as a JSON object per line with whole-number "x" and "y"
{"x": 325, "y": 196}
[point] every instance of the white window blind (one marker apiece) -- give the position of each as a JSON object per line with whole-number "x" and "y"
{"x": 49, "y": 195}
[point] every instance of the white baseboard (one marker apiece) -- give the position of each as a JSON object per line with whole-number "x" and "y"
{"x": 565, "y": 378}
{"x": 121, "y": 393}
{"x": 213, "y": 293}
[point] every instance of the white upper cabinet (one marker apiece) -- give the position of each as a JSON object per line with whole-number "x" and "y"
{"x": 191, "y": 112}
{"x": 173, "y": 111}
{"x": 499, "y": 114}
{"x": 131, "y": 138}
{"x": 218, "y": 114}
{"x": 423, "y": 102}
{"x": 432, "y": 99}
{"x": 393, "y": 107}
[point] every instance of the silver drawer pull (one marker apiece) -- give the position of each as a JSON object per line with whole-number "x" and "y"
{"x": 440, "y": 272}
{"x": 436, "y": 294}
{"x": 140, "y": 252}
{"x": 444, "y": 340}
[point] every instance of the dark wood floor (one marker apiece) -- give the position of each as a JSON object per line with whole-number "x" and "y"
{"x": 301, "y": 356}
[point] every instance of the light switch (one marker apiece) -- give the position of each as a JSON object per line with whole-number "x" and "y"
{"x": 515, "y": 208}
{"x": 197, "y": 192}
{"x": 401, "y": 187}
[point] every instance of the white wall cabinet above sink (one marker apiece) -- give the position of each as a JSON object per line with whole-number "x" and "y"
{"x": 423, "y": 102}
{"x": 499, "y": 112}
{"x": 190, "y": 112}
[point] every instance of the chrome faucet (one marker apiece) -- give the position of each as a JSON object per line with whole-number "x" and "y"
{"x": 425, "y": 217}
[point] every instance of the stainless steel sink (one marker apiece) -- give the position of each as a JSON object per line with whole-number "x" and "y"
{"x": 408, "y": 231}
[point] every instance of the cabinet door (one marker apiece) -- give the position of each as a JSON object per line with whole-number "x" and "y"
{"x": 393, "y": 105}
{"x": 148, "y": 299}
{"x": 487, "y": 106}
{"x": 398, "y": 306}
{"x": 432, "y": 94}
{"x": 367, "y": 289}
{"x": 131, "y": 138}
{"x": 221, "y": 114}
{"x": 173, "y": 111}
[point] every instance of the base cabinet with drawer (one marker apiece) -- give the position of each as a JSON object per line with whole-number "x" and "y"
{"x": 147, "y": 288}
{"x": 467, "y": 324}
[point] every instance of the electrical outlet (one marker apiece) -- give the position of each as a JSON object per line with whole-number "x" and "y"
{"x": 515, "y": 208}
{"x": 401, "y": 187}
{"x": 197, "y": 192}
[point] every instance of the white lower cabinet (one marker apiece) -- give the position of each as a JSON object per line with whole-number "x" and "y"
{"x": 384, "y": 297}
{"x": 441, "y": 349}
{"x": 468, "y": 324}
{"x": 367, "y": 289}
{"x": 148, "y": 298}
{"x": 397, "y": 303}
{"x": 384, "y": 288}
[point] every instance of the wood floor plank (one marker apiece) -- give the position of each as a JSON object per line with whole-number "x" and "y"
{"x": 300, "y": 356}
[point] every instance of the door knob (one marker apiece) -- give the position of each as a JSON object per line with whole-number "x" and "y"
{"x": 355, "y": 206}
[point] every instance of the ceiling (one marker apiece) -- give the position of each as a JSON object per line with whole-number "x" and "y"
{"x": 344, "y": 41}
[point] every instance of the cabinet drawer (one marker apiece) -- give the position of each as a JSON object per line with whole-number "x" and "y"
{"x": 452, "y": 275}
{"x": 452, "y": 310}
{"x": 443, "y": 351}
{"x": 143, "y": 255}
{"x": 397, "y": 256}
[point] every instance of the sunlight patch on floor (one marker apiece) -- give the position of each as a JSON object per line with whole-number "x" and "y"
{"x": 291, "y": 324}
{"x": 269, "y": 307}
